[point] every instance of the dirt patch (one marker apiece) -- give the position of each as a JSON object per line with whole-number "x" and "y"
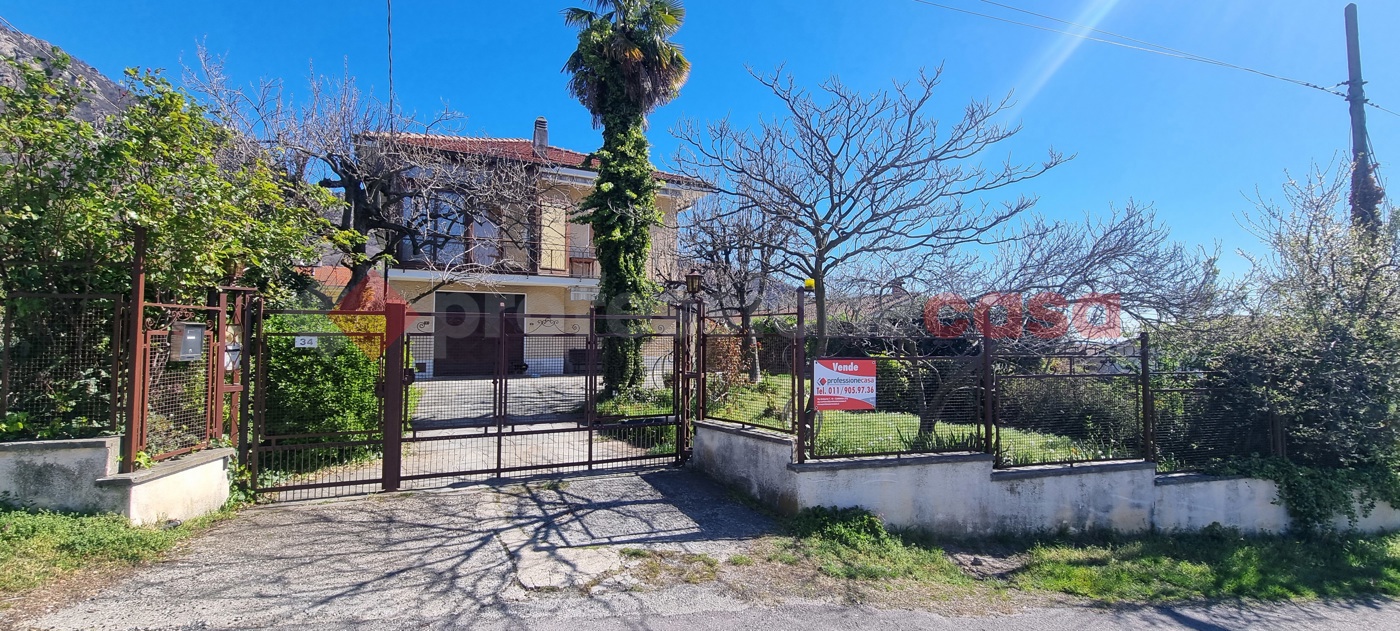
{"x": 767, "y": 573}
{"x": 664, "y": 568}
{"x": 59, "y": 593}
{"x": 984, "y": 566}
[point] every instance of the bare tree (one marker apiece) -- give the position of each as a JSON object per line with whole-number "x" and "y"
{"x": 858, "y": 177}
{"x": 882, "y": 210}
{"x": 395, "y": 196}
{"x": 736, "y": 251}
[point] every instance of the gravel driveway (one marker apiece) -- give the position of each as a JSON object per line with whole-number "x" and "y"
{"x": 442, "y": 559}
{"x": 546, "y": 554}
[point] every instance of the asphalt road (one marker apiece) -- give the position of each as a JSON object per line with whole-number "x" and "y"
{"x": 546, "y": 555}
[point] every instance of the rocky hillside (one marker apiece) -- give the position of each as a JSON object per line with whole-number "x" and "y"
{"x": 104, "y": 93}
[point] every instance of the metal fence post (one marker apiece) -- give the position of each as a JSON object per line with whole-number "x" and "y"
{"x": 1149, "y": 405}
{"x": 799, "y": 404}
{"x": 682, "y": 374}
{"x": 702, "y": 379}
{"x": 590, "y": 380}
{"x": 989, "y": 401}
{"x": 252, "y": 309}
{"x": 395, "y": 314}
{"x": 502, "y": 377}
{"x": 134, "y": 438}
{"x": 218, "y": 344}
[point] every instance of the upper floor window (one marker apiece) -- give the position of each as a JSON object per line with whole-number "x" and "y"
{"x": 452, "y": 232}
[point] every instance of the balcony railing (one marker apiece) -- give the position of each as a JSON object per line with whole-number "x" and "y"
{"x": 573, "y": 261}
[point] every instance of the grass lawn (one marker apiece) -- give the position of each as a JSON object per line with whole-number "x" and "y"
{"x": 765, "y": 404}
{"x": 1214, "y": 564}
{"x": 39, "y": 547}
{"x": 841, "y": 432}
{"x": 1219, "y": 564}
{"x": 638, "y": 402}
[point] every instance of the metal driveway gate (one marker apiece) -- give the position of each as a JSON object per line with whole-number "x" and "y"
{"x": 352, "y": 402}
{"x": 540, "y": 409}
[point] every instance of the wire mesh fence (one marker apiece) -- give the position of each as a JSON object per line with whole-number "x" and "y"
{"x": 60, "y": 366}
{"x": 926, "y": 397}
{"x": 1080, "y": 402}
{"x": 737, "y": 393}
{"x": 178, "y": 395}
{"x": 1026, "y": 403}
{"x": 1199, "y": 422}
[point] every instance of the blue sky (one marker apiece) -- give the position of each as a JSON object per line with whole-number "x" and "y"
{"x": 1191, "y": 138}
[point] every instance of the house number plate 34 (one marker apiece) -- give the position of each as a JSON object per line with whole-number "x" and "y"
{"x": 306, "y": 341}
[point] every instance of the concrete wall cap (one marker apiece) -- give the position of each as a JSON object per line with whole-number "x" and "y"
{"x": 104, "y": 442}
{"x": 169, "y": 467}
{"x": 888, "y": 461}
{"x": 1168, "y": 479}
{"x": 745, "y": 430}
{"x": 1050, "y": 471}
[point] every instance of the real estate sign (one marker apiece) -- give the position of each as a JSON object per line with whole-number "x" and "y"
{"x": 844, "y": 384}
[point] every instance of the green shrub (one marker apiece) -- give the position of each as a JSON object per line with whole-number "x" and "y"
{"x": 329, "y": 388}
{"x": 892, "y": 393}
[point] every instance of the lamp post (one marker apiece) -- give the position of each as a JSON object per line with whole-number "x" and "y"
{"x": 693, "y": 353}
{"x": 692, "y": 282}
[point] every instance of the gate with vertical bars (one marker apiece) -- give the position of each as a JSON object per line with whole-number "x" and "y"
{"x": 363, "y": 401}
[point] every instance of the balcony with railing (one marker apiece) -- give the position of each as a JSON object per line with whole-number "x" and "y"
{"x": 583, "y": 261}
{"x": 499, "y": 256}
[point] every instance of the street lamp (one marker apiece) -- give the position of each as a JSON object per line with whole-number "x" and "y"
{"x": 692, "y": 282}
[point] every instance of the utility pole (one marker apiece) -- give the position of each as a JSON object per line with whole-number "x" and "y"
{"x": 1366, "y": 194}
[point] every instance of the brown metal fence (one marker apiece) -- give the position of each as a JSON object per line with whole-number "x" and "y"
{"x": 318, "y": 425}
{"x": 534, "y": 406}
{"x": 1079, "y": 403}
{"x": 478, "y": 395}
{"x": 731, "y": 393}
{"x": 1029, "y": 403}
{"x": 182, "y": 399}
{"x": 928, "y": 398}
{"x": 1197, "y": 421}
{"x": 61, "y": 365}
{"x": 76, "y": 365}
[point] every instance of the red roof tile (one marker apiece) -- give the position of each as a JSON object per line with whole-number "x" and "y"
{"x": 524, "y": 150}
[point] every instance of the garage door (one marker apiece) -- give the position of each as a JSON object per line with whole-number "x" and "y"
{"x": 467, "y": 333}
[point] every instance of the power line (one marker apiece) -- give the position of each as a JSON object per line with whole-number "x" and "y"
{"x": 1147, "y": 47}
{"x": 1182, "y": 53}
{"x": 1392, "y": 112}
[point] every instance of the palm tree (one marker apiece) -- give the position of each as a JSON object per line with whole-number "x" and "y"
{"x": 625, "y": 67}
{"x": 625, "y": 61}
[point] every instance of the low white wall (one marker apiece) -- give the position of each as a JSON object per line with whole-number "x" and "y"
{"x": 81, "y": 476}
{"x": 961, "y": 494}
{"x": 1192, "y": 502}
{"x": 194, "y": 485}
{"x": 753, "y": 461}
{"x": 59, "y": 474}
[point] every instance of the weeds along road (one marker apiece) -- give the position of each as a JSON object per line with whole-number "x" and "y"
{"x": 650, "y": 550}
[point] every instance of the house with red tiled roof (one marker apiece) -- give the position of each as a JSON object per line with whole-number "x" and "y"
{"x": 531, "y": 261}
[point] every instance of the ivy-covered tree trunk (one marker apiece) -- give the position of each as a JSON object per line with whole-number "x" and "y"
{"x": 622, "y": 210}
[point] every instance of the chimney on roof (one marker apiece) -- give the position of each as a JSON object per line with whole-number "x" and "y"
{"x": 541, "y": 139}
